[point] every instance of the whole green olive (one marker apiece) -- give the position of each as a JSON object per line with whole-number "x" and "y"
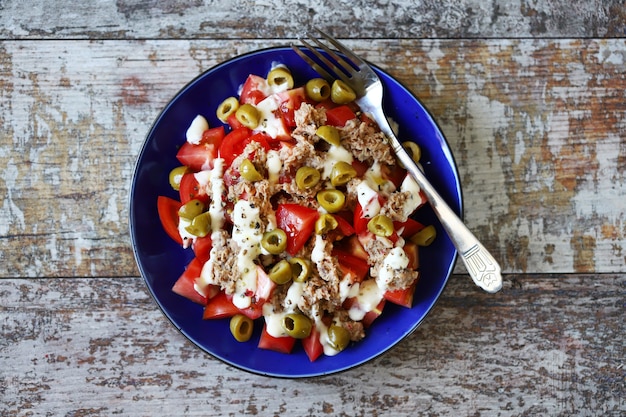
{"x": 200, "y": 225}
{"x": 176, "y": 175}
{"x": 300, "y": 269}
{"x": 325, "y": 223}
{"x": 330, "y": 134}
{"x": 338, "y": 337}
{"x": 249, "y": 172}
{"x": 227, "y": 108}
{"x": 424, "y": 237}
{"x": 297, "y": 325}
{"x": 317, "y": 89}
{"x": 307, "y": 177}
{"x": 342, "y": 173}
{"x": 274, "y": 241}
{"x": 241, "y": 327}
{"x": 279, "y": 76}
{"x": 248, "y": 115}
{"x": 281, "y": 272}
{"x": 331, "y": 200}
{"x": 381, "y": 225}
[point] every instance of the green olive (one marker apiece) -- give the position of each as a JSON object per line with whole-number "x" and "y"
{"x": 330, "y": 134}
{"x": 175, "y": 176}
{"x": 241, "y": 327}
{"x": 307, "y": 177}
{"x": 274, "y": 241}
{"x": 248, "y": 115}
{"x": 297, "y": 325}
{"x": 331, "y": 200}
{"x": 413, "y": 149}
{"x": 325, "y": 223}
{"x": 227, "y": 108}
{"x": 300, "y": 269}
{"x": 341, "y": 93}
{"x": 281, "y": 272}
{"x": 191, "y": 209}
{"x": 424, "y": 237}
{"x": 338, "y": 337}
{"x": 249, "y": 172}
{"x": 200, "y": 225}
{"x": 280, "y": 76}
{"x": 342, "y": 173}
{"x": 381, "y": 225}
{"x": 317, "y": 89}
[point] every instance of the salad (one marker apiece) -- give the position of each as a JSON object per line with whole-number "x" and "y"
{"x": 298, "y": 214}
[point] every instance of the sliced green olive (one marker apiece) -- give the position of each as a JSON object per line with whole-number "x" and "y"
{"x": 297, "y": 325}
{"x": 338, "y": 337}
{"x": 317, "y": 89}
{"x": 381, "y": 225}
{"x": 300, "y": 269}
{"x": 274, "y": 241}
{"x": 191, "y": 209}
{"x": 249, "y": 172}
{"x": 341, "y": 93}
{"x": 175, "y": 176}
{"x": 413, "y": 149}
{"x": 227, "y": 108}
{"x": 424, "y": 237}
{"x": 331, "y": 200}
{"x": 280, "y": 76}
{"x": 325, "y": 223}
{"x": 342, "y": 173}
{"x": 281, "y": 272}
{"x": 307, "y": 177}
{"x": 200, "y": 225}
{"x": 248, "y": 115}
{"x": 330, "y": 134}
{"x": 241, "y": 327}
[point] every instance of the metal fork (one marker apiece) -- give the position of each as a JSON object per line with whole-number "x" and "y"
{"x": 481, "y": 266}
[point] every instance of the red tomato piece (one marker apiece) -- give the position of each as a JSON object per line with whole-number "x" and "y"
{"x": 290, "y": 101}
{"x": 202, "y": 247}
{"x": 394, "y": 173}
{"x": 360, "y": 222}
{"x": 254, "y": 90}
{"x": 350, "y": 264}
{"x": 233, "y": 122}
{"x": 370, "y": 316}
{"x": 298, "y": 222}
{"x": 264, "y": 288}
{"x": 312, "y": 345}
{"x": 408, "y": 228}
{"x": 219, "y": 307}
{"x": 403, "y": 297}
{"x": 168, "y": 214}
{"x": 412, "y": 252}
{"x": 277, "y": 344}
{"x": 185, "y": 284}
{"x": 353, "y": 246}
{"x": 201, "y": 156}
{"x": 233, "y": 144}
{"x": 339, "y": 116}
{"x": 190, "y": 189}
{"x": 343, "y": 225}
{"x": 360, "y": 167}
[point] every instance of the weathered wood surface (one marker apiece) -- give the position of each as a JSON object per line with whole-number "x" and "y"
{"x": 96, "y": 347}
{"x": 537, "y": 127}
{"x": 228, "y": 19}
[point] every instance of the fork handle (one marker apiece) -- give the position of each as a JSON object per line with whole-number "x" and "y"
{"x": 481, "y": 266}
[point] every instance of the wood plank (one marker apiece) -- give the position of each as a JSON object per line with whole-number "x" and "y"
{"x": 537, "y": 127}
{"x": 544, "y": 345}
{"x": 135, "y": 19}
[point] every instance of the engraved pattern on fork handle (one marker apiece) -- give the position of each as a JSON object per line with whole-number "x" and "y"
{"x": 483, "y": 269}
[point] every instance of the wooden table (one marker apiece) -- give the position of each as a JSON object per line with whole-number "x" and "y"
{"x": 531, "y": 96}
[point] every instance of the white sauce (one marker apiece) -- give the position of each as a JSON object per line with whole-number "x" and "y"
{"x": 197, "y": 127}
{"x": 415, "y": 199}
{"x": 395, "y": 260}
{"x": 248, "y": 236}
{"x": 368, "y": 297}
{"x": 218, "y": 189}
{"x": 274, "y": 165}
{"x": 368, "y": 199}
{"x": 270, "y": 123}
{"x": 334, "y": 155}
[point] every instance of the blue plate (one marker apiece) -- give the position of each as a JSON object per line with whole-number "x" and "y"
{"x": 161, "y": 260}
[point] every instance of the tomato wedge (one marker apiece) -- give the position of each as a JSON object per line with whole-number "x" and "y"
{"x": 185, "y": 284}
{"x": 190, "y": 189}
{"x": 312, "y": 345}
{"x": 233, "y": 144}
{"x": 201, "y": 156}
{"x": 408, "y": 228}
{"x": 339, "y": 116}
{"x": 298, "y": 222}
{"x": 277, "y": 344}
{"x": 254, "y": 90}
{"x": 403, "y": 297}
{"x": 202, "y": 248}
{"x": 290, "y": 101}
{"x": 168, "y": 214}
{"x": 350, "y": 264}
{"x": 219, "y": 307}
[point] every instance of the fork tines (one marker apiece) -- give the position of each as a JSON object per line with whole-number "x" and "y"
{"x": 340, "y": 68}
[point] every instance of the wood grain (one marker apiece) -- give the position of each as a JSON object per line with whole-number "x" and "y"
{"x": 537, "y": 127}
{"x": 195, "y": 19}
{"x": 99, "y": 346}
